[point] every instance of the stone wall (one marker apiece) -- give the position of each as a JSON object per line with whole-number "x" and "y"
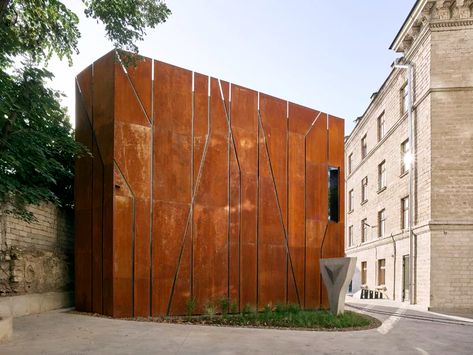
{"x": 36, "y": 257}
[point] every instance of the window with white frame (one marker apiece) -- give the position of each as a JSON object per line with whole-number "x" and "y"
{"x": 381, "y": 127}
{"x": 364, "y": 147}
{"x": 364, "y": 272}
{"x": 364, "y": 230}
{"x": 404, "y": 98}
{"x": 350, "y": 163}
{"x": 351, "y": 200}
{"x": 364, "y": 189}
{"x": 381, "y": 272}
{"x": 405, "y": 156}
{"x": 382, "y": 175}
{"x": 381, "y": 223}
{"x": 350, "y": 236}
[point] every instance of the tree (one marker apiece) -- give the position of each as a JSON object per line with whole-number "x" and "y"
{"x": 37, "y": 146}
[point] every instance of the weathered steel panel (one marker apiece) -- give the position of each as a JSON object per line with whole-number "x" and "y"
{"x": 83, "y": 198}
{"x": 197, "y": 194}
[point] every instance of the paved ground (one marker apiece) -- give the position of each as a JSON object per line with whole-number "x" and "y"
{"x": 404, "y": 330}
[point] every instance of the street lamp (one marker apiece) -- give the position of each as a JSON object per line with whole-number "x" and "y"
{"x": 401, "y": 63}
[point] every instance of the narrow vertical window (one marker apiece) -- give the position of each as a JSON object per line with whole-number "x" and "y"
{"x": 381, "y": 223}
{"x": 350, "y": 163}
{"x": 405, "y": 157}
{"x": 351, "y": 200}
{"x": 382, "y": 175}
{"x": 333, "y": 194}
{"x": 364, "y": 271}
{"x": 364, "y": 189}
{"x": 381, "y": 127}
{"x": 364, "y": 230}
{"x": 405, "y": 212}
{"x": 381, "y": 272}
{"x": 364, "y": 147}
{"x": 350, "y": 236}
{"x": 404, "y": 99}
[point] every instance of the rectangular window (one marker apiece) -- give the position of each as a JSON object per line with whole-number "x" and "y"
{"x": 364, "y": 189}
{"x": 350, "y": 236}
{"x": 381, "y": 223}
{"x": 381, "y": 272}
{"x": 381, "y": 127}
{"x": 350, "y": 163}
{"x": 364, "y": 271}
{"x": 405, "y": 212}
{"x": 333, "y": 194}
{"x": 405, "y": 157}
{"x": 364, "y": 230}
{"x": 364, "y": 147}
{"x": 404, "y": 98}
{"x": 382, "y": 175}
{"x": 351, "y": 200}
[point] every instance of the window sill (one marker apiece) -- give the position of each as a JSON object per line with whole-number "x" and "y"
{"x": 382, "y": 189}
{"x": 363, "y": 202}
{"x": 404, "y": 174}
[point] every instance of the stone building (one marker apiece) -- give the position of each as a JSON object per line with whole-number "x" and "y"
{"x": 437, "y": 40}
{"x": 36, "y": 261}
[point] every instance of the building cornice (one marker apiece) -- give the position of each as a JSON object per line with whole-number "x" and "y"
{"x": 432, "y": 14}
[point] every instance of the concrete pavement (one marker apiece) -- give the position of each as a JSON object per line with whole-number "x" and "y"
{"x": 403, "y": 331}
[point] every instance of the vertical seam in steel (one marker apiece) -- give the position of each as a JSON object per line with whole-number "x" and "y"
{"x": 92, "y": 198}
{"x": 235, "y": 152}
{"x": 151, "y": 208}
{"x": 191, "y": 283}
{"x": 305, "y": 202}
{"x": 133, "y": 232}
{"x": 204, "y": 154}
{"x": 229, "y": 214}
{"x": 287, "y": 204}
{"x": 257, "y": 204}
{"x": 277, "y": 199}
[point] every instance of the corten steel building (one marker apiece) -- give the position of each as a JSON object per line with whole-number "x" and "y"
{"x": 200, "y": 190}
{"x": 410, "y": 187}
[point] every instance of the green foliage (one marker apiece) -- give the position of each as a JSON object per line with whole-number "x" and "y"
{"x": 234, "y": 307}
{"x": 190, "y": 306}
{"x": 37, "y": 146}
{"x": 127, "y": 22}
{"x": 224, "y": 304}
{"x": 36, "y": 143}
{"x": 289, "y": 316}
{"x": 210, "y": 309}
{"x": 247, "y": 309}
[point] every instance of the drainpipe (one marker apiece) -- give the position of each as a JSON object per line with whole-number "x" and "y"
{"x": 401, "y": 63}
{"x": 394, "y": 268}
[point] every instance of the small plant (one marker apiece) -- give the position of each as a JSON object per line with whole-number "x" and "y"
{"x": 190, "y": 306}
{"x": 224, "y": 304}
{"x": 234, "y": 308}
{"x": 247, "y": 309}
{"x": 210, "y": 309}
{"x": 267, "y": 308}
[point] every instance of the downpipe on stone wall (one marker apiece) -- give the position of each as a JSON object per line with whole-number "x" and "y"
{"x": 401, "y": 63}
{"x": 394, "y": 266}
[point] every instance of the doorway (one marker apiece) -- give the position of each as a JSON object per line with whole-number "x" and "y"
{"x": 405, "y": 278}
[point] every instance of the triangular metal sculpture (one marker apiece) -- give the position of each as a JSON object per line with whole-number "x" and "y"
{"x": 337, "y": 273}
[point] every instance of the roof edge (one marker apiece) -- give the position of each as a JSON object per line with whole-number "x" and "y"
{"x": 413, "y": 14}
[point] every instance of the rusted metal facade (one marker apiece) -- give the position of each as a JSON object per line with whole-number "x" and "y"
{"x": 199, "y": 189}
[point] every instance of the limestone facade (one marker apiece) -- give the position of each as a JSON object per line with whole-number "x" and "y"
{"x": 437, "y": 39}
{"x": 36, "y": 257}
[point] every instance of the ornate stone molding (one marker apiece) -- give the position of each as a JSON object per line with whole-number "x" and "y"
{"x": 433, "y": 14}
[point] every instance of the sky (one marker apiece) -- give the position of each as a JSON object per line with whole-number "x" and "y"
{"x": 327, "y": 55}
